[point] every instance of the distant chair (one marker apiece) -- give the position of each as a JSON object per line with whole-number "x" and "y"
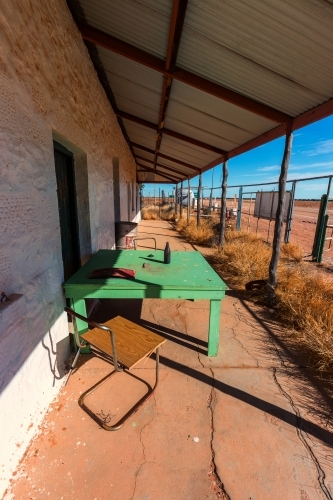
{"x": 125, "y": 344}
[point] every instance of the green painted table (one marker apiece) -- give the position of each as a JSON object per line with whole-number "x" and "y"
{"x": 188, "y": 276}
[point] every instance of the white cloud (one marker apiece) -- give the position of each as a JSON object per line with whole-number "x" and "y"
{"x": 322, "y": 164}
{"x": 268, "y": 169}
{"x": 322, "y": 147}
{"x": 299, "y": 176}
{"x": 322, "y": 187}
{"x": 253, "y": 175}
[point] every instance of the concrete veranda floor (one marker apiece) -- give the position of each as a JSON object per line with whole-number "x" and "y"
{"x": 250, "y": 424}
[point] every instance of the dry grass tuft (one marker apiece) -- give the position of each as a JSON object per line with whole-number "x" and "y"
{"x": 153, "y": 213}
{"x": 202, "y": 235}
{"x": 292, "y": 252}
{"x": 149, "y": 213}
{"x": 304, "y": 298}
{"x": 305, "y": 303}
{"x": 244, "y": 258}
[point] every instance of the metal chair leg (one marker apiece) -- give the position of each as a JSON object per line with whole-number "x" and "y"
{"x": 135, "y": 408}
{"x": 72, "y": 366}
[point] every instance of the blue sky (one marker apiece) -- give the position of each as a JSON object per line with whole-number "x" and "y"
{"x": 312, "y": 156}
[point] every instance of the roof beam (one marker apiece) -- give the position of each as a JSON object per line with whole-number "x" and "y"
{"x": 166, "y": 131}
{"x": 162, "y": 174}
{"x": 166, "y": 157}
{"x": 313, "y": 115}
{"x": 140, "y": 56}
{"x": 176, "y": 27}
{"x": 162, "y": 166}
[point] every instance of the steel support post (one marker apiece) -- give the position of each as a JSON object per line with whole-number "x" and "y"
{"x": 319, "y": 227}
{"x": 290, "y": 213}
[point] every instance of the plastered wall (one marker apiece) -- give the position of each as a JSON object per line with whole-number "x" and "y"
{"x": 48, "y": 90}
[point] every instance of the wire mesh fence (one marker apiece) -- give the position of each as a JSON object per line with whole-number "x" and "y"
{"x": 244, "y": 213}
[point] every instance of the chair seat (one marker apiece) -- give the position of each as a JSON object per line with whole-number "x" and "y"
{"x": 133, "y": 342}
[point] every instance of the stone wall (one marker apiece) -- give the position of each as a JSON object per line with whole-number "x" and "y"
{"x": 48, "y": 91}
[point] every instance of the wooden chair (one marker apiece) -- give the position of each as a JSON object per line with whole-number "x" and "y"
{"x": 125, "y": 344}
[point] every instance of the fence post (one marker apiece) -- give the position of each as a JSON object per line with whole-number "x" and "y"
{"x": 181, "y": 200}
{"x": 290, "y": 213}
{"x": 210, "y": 201}
{"x": 239, "y": 209}
{"x": 272, "y": 281}
{"x": 198, "y": 202}
{"x": 176, "y": 199}
{"x": 223, "y": 203}
{"x": 319, "y": 227}
{"x": 322, "y": 239}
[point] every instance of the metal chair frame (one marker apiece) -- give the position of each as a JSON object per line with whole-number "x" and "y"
{"x": 118, "y": 368}
{"x": 139, "y": 239}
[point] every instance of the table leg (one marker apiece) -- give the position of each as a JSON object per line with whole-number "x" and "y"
{"x": 214, "y": 327}
{"x": 79, "y": 306}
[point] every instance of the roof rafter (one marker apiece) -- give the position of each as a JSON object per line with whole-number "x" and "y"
{"x": 166, "y": 157}
{"x": 181, "y": 172}
{"x": 140, "y": 56}
{"x": 148, "y": 169}
{"x": 166, "y": 131}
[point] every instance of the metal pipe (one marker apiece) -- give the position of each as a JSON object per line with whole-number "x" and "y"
{"x": 289, "y": 180}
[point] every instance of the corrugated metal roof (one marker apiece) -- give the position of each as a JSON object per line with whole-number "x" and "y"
{"x": 186, "y": 152}
{"x": 142, "y": 92}
{"x": 276, "y": 52}
{"x": 144, "y": 154}
{"x": 116, "y": 65}
{"x": 143, "y": 23}
{"x": 219, "y": 109}
{"x": 140, "y": 135}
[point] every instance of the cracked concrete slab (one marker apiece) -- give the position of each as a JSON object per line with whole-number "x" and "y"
{"x": 257, "y": 440}
{"x": 252, "y": 423}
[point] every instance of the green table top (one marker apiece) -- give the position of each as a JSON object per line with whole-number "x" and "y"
{"x": 187, "y": 271}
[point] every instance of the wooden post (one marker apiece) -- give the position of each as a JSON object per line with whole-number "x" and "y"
{"x": 176, "y": 199}
{"x": 188, "y": 201}
{"x": 210, "y": 208}
{"x": 223, "y": 203}
{"x": 199, "y": 201}
{"x": 159, "y": 202}
{"x": 181, "y": 199}
{"x": 272, "y": 280}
